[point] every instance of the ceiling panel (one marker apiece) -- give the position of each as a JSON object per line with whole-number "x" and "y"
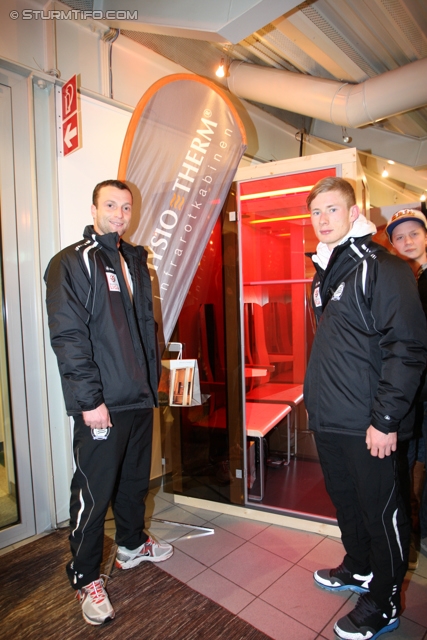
{"x": 345, "y": 40}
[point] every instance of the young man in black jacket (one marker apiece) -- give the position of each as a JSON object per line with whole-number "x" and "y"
{"x": 103, "y": 333}
{"x": 366, "y": 363}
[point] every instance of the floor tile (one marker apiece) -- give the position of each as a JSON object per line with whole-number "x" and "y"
{"x": 274, "y": 623}
{"x": 242, "y": 527}
{"x": 220, "y": 590}
{"x": 155, "y": 505}
{"x": 296, "y": 595}
{"x": 327, "y": 554}
{"x": 244, "y": 559}
{"x": 415, "y": 599}
{"x": 347, "y": 606}
{"x": 173, "y": 532}
{"x": 287, "y": 543}
{"x": 252, "y": 567}
{"x": 210, "y": 549}
{"x": 421, "y": 570}
{"x": 205, "y": 514}
{"x": 408, "y": 630}
{"x": 181, "y": 566}
{"x": 174, "y": 513}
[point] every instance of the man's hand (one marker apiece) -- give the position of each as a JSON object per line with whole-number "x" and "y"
{"x": 98, "y": 418}
{"x": 379, "y": 443}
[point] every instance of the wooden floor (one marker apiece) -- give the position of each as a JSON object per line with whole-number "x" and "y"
{"x": 37, "y": 602}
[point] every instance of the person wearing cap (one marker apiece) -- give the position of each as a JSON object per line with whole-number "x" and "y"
{"x": 407, "y": 232}
{"x": 368, "y": 355}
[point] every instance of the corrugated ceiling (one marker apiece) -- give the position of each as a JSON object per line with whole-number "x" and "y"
{"x": 349, "y": 40}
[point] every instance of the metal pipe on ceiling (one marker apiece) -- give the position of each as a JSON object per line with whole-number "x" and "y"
{"x": 341, "y": 103}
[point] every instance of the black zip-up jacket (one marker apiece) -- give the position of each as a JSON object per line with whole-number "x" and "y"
{"x": 370, "y": 347}
{"x": 106, "y": 346}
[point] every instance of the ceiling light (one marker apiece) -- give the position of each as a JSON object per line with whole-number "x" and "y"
{"x": 384, "y": 173}
{"x": 390, "y": 161}
{"x": 423, "y": 197}
{"x": 345, "y": 137}
{"x": 220, "y": 72}
{"x": 279, "y": 192}
{"x": 281, "y": 219}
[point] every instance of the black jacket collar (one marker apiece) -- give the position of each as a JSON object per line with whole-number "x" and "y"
{"x": 108, "y": 241}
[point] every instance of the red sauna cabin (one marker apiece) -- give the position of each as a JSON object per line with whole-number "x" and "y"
{"x": 247, "y": 320}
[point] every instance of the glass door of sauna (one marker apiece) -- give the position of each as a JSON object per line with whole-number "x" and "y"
{"x": 203, "y": 444}
{"x": 278, "y": 331}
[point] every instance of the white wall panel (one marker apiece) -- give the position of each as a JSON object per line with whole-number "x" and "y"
{"x": 103, "y": 130}
{"x": 136, "y": 68}
{"x": 22, "y": 40}
{"x": 79, "y": 52}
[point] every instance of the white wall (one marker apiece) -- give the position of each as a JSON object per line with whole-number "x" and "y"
{"x": 79, "y": 51}
{"x": 22, "y": 41}
{"x": 103, "y": 130}
{"x": 136, "y": 68}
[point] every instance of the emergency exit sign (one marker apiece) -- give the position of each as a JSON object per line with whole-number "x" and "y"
{"x": 70, "y": 117}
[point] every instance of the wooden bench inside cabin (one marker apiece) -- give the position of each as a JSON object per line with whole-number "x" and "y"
{"x": 281, "y": 393}
{"x": 262, "y": 416}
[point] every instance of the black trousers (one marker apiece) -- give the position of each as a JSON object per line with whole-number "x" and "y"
{"x": 371, "y": 513}
{"x": 118, "y": 470}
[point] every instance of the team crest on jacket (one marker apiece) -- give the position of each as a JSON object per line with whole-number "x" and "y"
{"x": 316, "y": 297}
{"x": 338, "y": 293}
{"x": 113, "y": 283}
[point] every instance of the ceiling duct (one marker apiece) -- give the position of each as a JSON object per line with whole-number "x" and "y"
{"x": 340, "y": 103}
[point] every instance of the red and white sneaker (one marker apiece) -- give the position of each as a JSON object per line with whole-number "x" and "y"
{"x": 150, "y": 551}
{"x": 96, "y": 606}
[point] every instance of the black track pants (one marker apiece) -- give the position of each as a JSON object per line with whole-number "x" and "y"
{"x": 116, "y": 469}
{"x": 375, "y": 529}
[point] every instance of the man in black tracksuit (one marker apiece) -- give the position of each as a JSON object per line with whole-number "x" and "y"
{"x": 366, "y": 363}
{"x": 103, "y": 333}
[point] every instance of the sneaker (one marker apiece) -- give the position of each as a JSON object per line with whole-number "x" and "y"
{"x": 365, "y": 622}
{"x": 96, "y": 606}
{"x": 341, "y": 579}
{"x": 150, "y": 551}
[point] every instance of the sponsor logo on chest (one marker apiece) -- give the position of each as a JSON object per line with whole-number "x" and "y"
{"x": 316, "y": 297}
{"x": 113, "y": 283}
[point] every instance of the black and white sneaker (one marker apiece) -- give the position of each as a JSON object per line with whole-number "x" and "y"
{"x": 366, "y": 621}
{"x": 341, "y": 579}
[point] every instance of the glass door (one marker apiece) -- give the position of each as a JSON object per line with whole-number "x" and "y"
{"x": 9, "y": 509}
{"x": 204, "y": 444}
{"x": 278, "y": 332}
{"x": 17, "y": 517}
